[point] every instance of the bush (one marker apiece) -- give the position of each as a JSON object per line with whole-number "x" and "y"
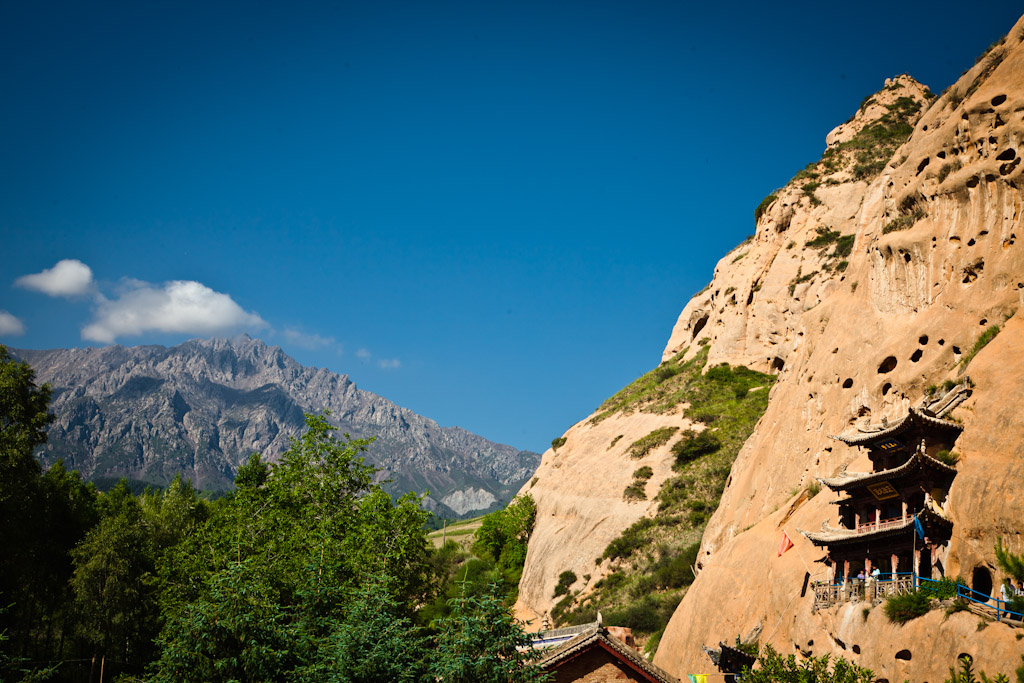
{"x": 635, "y": 491}
{"x": 558, "y": 443}
{"x": 565, "y": 580}
{"x": 763, "y": 206}
{"x": 844, "y": 245}
{"x": 902, "y": 608}
{"x": 675, "y": 570}
{"x": 611, "y": 581}
{"x": 988, "y": 335}
{"x": 950, "y": 458}
{"x": 903, "y": 222}
{"x": 646, "y": 444}
{"x": 694, "y": 445}
{"x": 643, "y": 473}
{"x": 824, "y": 238}
{"x": 943, "y": 589}
{"x": 630, "y": 540}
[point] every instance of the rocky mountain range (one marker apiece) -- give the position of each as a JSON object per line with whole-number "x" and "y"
{"x": 203, "y": 407}
{"x": 875, "y": 275}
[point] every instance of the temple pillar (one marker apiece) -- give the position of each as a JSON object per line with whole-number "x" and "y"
{"x": 846, "y": 570}
{"x": 867, "y": 566}
{"x": 904, "y": 509}
{"x": 895, "y": 564}
{"x": 878, "y": 517}
{"x": 917, "y": 561}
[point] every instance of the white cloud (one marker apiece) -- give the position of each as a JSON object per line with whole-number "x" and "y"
{"x": 10, "y": 326}
{"x": 180, "y": 306}
{"x": 69, "y": 277}
{"x": 389, "y": 363}
{"x": 363, "y": 354}
{"x": 311, "y": 341}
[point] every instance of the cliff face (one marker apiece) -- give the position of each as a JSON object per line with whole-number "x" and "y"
{"x": 870, "y": 277}
{"x": 202, "y": 407}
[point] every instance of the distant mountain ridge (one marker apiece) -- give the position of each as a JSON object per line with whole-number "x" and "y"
{"x": 202, "y": 407}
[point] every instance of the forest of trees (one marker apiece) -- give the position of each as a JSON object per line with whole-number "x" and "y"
{"x": 307, "y": 571}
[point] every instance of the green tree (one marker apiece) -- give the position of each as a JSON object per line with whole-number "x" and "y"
{"x": 503, "y": 536}
{"x": 262, "y": 590}
{"x": 113, "y": 580}
{"x": 375, "y": 641}
{"x": 774, "y": 668}
{"x": 479, "y": 643}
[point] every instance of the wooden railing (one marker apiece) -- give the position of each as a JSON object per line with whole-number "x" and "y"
{"x": 868, "y": 527}
{"x": 827, "y": 593}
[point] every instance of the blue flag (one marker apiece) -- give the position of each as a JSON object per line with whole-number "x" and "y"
{"x": 918, "y": 528}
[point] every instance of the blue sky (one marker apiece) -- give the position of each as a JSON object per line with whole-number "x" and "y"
{"x": 490, "y": 213}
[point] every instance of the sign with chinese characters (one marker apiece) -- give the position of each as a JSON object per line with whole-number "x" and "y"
{"x": 889, "y": 445}
{"x": 882, "y": 490}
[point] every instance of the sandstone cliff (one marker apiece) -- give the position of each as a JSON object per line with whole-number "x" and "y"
{"x": 202, "y": 407}
{"x": 870, "y": 277}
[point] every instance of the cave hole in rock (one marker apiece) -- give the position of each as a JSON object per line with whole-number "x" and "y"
{"x": 750, "y": 297}
{"x": 839, "y": 642}
{"x": 923, "y": 339}
{"x": 941, "y": 155}
{"x": 906, "y": 257}
{"x": 972, "y": 181}
{"x": 942, "y": 342}
{"x": 990, "y": 178}
{"x": 835, "y": 350}
{"x": 983, "y": 322}
{"x": 863, "y": 410}
{"x": 856, "y": 649}
{"x": 981, "y": 580}
{"x": 992, "y": 140}
{"x": 982, "y": 233}
{"x": 954, "y": 238}
{"x": 924, "y": 163}
{"x": 970, "y": 242}
{"x": 956, "y": 350}
{"x": 925, "y": 127}
{"x": 699, "y": 326}
{"x": 916, "y": 356}
{"x": 847, "y": 383}
{"x": 778, "y": 364}
{"x": 888, "y": 365}
{"x": 1007, "y": 154}
{"x": 904, "y": 655}
{"x": 885, "y": 388}
{"x": 998, "y": 99}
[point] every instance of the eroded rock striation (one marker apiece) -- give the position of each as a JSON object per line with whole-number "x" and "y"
{"x": 202, "y": 407}
{"x": 870, "y": 279}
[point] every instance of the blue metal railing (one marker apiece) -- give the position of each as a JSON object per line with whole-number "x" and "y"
{"x": 974, "y": 596}
{"x": 1000, "y": 606}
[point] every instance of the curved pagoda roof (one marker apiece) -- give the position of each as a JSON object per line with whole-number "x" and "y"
{"x": 831, "y": 536}
{"x": 845, "y": 481}
{"x": 915, "y": 417}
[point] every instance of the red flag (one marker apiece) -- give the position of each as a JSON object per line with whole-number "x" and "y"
{"x": 785, "y": 544}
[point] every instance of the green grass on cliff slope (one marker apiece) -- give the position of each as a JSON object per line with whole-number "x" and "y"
{"x": 650, "y": 565}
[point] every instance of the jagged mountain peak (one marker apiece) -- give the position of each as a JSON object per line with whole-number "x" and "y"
{"x": 202, "y": 407}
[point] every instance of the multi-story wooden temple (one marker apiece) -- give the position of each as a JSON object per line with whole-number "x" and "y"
{"x": 892, "y": 518}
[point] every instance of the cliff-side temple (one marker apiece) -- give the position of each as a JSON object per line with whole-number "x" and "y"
{"x": 892, "y": 522}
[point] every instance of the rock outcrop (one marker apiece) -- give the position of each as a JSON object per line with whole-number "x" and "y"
{"x": 870, "y": 278}
{"x": 202, "y": 407}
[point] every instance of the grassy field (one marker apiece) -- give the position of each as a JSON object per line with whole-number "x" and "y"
{"x": 461, "y": 532}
